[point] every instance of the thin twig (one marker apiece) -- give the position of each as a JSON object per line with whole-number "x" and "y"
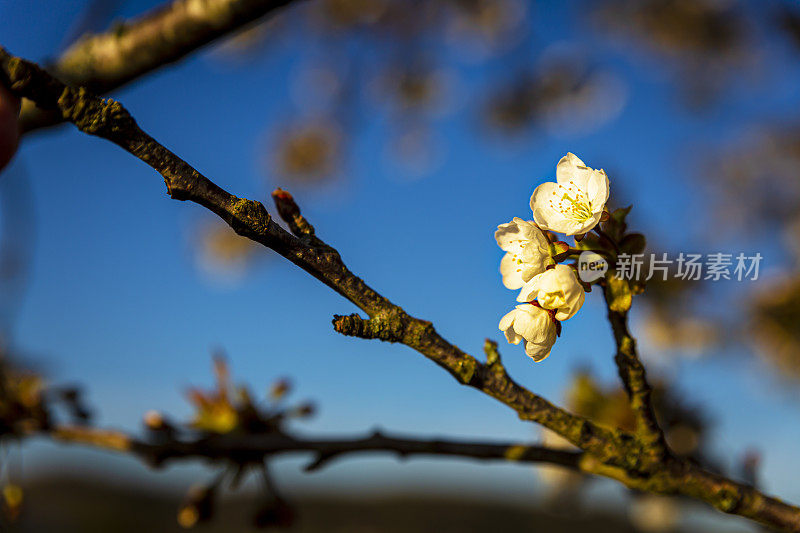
{"x": 574, "y": 252}
{"x": 634, "y": 379}
{"x": 606, "y": 237}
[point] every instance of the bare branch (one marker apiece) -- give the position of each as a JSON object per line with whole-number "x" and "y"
{"x": 634, "y": 378}
{"x": 106, "y": 61}
{"x": 255, "y": 448}
{"x": 96, "y": 438}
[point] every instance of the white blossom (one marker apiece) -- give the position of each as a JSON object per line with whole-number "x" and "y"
{"x": 574, "y": 203}
{"x": 528, "y": 251}
{"x": 532, "y": 325}
{"x": 558, "y": 289}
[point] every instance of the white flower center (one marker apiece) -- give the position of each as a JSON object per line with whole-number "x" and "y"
{"x": 572, "y": 202}
{"x": 515, "y": 255}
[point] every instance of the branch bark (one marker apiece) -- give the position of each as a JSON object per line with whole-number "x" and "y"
{"x": 612, "y": 453}
{"x": 107, "y": 61}
{"x": 634, "y": 379}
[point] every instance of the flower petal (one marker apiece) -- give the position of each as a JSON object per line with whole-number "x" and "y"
{"x": 533, "y": 326}
{"x": 530, "y": 289}
{"x": 570, "y": 170}
{"x": 512, "y": 272}
{"x": 542, "y": 203}
{"x": 543, "y": 194}
{"x": 537, "y": 352}
{"x": 571, "y": 307}
{"x": 512, "y": 337}
{"x": 558, "y": 289}
{"x": 506, "y": 325}
{"x": 526, "y": 325}
{"x": 508, "y": 237}
{"x": 597, "y": 189}
{"x": 508, "y": 319}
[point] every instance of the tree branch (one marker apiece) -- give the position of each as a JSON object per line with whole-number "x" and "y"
{"x": 612, "y": 453}
{"x": 106, "y": 61}
{"x": 634, "y": 378}
{"x": 255, "y": 448}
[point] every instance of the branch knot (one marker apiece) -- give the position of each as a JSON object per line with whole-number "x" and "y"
{"x": 373, "y": 328}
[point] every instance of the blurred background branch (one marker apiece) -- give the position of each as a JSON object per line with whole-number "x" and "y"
{"x": 107, "y": 61}
{"x": 249, "y": 449}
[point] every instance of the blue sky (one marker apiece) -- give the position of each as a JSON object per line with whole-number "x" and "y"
{"x": 116, "y": 303}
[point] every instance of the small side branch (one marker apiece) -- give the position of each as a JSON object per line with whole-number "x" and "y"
{"x": 95, "y": 438}
{"x": 634, "y": 379}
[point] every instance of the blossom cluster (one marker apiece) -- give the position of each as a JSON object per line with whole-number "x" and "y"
{"x": 550, "y": 292}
